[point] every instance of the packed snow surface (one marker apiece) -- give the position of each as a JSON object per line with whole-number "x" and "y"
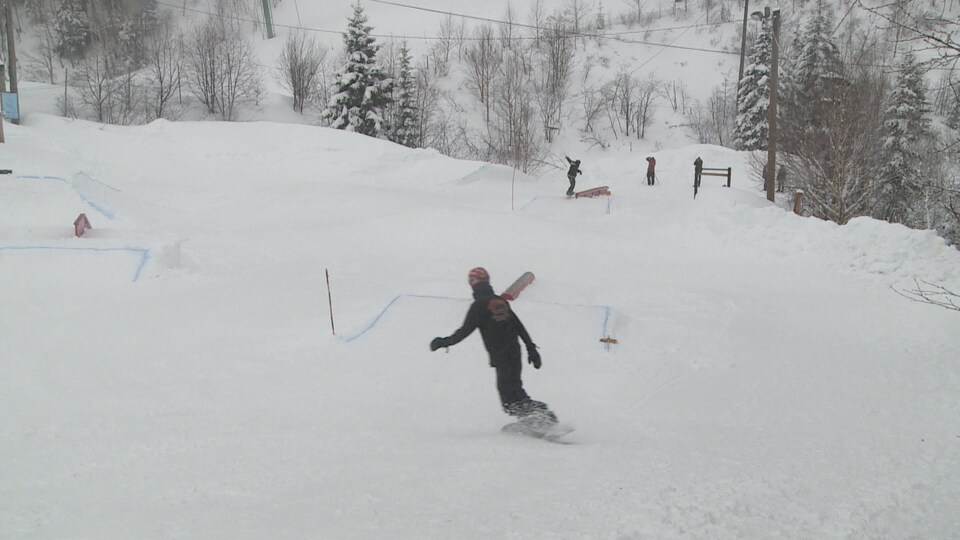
{"x": 173, "y": 373}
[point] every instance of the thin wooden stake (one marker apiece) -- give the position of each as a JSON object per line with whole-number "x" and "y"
{"x": 513, "y": 181}
{"x": 330, "y": 301}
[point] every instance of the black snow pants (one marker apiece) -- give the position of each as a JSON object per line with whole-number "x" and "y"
{"x": 573, "y": 183}
{"x": 514, "y": 398}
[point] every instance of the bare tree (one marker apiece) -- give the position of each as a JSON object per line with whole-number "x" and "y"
{"x": 833, "y": 159}
{"x": 722, "y": 112}
{"x": 299, "y": 70}
{"x": 594, "y": 105}
{"x": 676, "y": 94}
{"x": 164, "y": 57}
{"x": 325, "y": 78}
{"x": 579, "y": 11}
{"x": 513, "y": 135}
{"x": 535, "y": 18}
{"x": 129, "y": 97}
{"x": 483, "y": 62}
{"x": 96, "y": 86}
{"x": 617, "y": 97}
{"x": 203, "y": 63}
{"x": 637, "y": 5}
{"x": 713, "y": 122}
{"x": 555, "y": 56}
{"x": 221, "y": 68}
{"x": 647, "y": 93}
{"x": 629, "y": 103}
{"x": 440, "y": 50}
{"x": 448, "y": 131}
{"x": 939, "y": 34}
{"x": 508, "y": 31}
{"x": 42, "y": 59}
{"x": 427, "y": 97}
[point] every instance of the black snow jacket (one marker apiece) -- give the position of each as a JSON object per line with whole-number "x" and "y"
{"x": 499, "y": 326}
{"x": 574, "y": 167}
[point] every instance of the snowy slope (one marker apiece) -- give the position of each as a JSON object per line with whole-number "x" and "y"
{"x": 173, "y": 374}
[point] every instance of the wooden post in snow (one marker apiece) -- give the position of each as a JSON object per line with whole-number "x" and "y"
{"x": 330, "y": 301}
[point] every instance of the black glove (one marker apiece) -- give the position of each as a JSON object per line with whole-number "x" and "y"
{"x": 438, "y": 342}
{"x": 533, "y": 356}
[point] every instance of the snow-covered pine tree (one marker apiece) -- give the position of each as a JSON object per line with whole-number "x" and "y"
{"x": 811, "y": 82}
{"x": 361, "y": 90}
{"x": 73, "y": 28}
{"x": 149, "y": 17}
{"x": 906, "y": 128}
{"x": 750, "y": 132}
{"x": 953, "y": 107}
{"x": 403, "y": 121}
{"x": 819, "y": 55}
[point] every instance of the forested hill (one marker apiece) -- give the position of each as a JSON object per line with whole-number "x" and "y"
{"x": 867, "y": 117}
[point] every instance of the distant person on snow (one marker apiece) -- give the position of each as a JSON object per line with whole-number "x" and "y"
{"x": 500, "y": 329}
{"x": 651, "y": 170}
{"x": 697, "y": 171}
{"x": 572, "y": 174}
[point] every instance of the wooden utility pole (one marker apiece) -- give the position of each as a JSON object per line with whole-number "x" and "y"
{"x": 743, "y": 49}
{"x": 268, "y": 19}
{"x": 11, "y": 46}
{"x": 770, "y": 182}
{"x": 3, "y": 88}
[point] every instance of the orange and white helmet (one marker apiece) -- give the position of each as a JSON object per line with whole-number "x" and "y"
{"x": 478, "y": 275}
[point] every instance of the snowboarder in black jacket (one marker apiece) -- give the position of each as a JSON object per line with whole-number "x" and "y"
{"x": 500, "y": 329}
{"x": 572, "y": 174}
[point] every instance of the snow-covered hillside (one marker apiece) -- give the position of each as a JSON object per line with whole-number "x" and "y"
{"x": 172, "y": 373}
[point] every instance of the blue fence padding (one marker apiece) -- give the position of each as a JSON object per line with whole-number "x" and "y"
{"x": 144, "y": 253}
{"x": 524, "y": 207}
{"x": 94, "y": 180}
{"x": 607, "y": 311}
{"x": 389, "y": 304}
{"x": 535, "y": 197}
{"x": 96, "y": 206}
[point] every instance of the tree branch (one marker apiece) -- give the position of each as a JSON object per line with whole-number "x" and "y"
{"x": 929, "y": 293}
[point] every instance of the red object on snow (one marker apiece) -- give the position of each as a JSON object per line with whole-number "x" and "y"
{"x": 81, "y": 224}
{"x": 594, "y": 192}
{"x": 513, "y": 291}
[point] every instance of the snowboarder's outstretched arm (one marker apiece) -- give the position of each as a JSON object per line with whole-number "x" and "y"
{"x": 522, "y": 332}
{"x": 533, "y": 357}
{"x": 469, "y": 325}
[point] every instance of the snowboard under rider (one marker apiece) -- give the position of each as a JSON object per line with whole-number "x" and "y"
{"x": 572, "y": 174}
{"x": 500, "y": 329}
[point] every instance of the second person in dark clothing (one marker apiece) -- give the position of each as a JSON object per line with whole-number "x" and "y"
{"x": 572, "y": 174}
{"x": 651, "y": 170}
{"x": 501, "y": 331}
